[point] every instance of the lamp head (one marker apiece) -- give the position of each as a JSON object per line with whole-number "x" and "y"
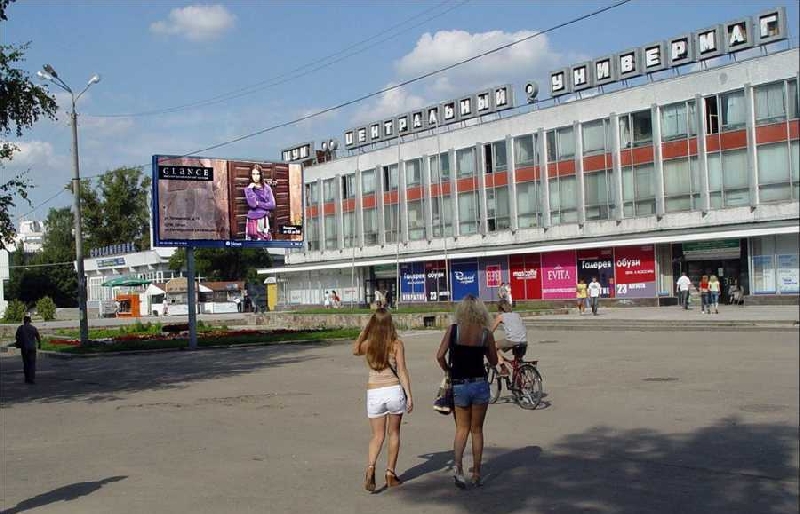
{"x": 94, "y": 80}
{"x": 332, "y": 144}
{"x": 43, "y": 75}
{"x": 50, "y": 70}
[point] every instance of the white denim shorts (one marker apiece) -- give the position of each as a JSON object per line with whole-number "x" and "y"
{"x": 385, "y": 400}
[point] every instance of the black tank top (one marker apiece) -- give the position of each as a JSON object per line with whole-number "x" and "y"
{"x": 467, "y": 361}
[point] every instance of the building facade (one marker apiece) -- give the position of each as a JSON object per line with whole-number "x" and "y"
{"x": 697, "y": 172}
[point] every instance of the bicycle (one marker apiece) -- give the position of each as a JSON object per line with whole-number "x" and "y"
{"x": 525, "y": 382}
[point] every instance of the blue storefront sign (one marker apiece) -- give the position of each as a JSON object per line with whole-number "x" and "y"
{"x": 464, "y": 277}
{"x": 412, "y": 282}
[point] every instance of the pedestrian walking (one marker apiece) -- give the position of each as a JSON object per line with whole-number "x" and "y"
{"x": 581, "y": 293}
{"x": 714, "y": 288}
{"x": 379, "y": 299}
{"x": 464, "y": 361}
{"x": 28, "y": 340}
{"x": 705, "y": 296}
{"x": 683, "y": 284}
{"x": 595, "y": 289}
{"x": 388, "y": 392}
{"x": 326, "y": 300}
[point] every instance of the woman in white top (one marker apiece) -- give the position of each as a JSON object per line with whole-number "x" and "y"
{"x": 388, "y": 391}
{"x": 515, "y": 333}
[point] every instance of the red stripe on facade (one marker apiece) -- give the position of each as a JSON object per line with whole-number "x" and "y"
{"x": 713, "y": 143}
{"x": 733, "y": 140}
{"x": 675, "y": 149}
{"x": 312, "y": 211}
{"x": 693, "y": 146}
{"x": 467, "y": 184}
{"x": 349, "y": 204}
{"x": 329, "y": 208}
{"x": 642, "y": 155}
{"x": 500, "y": 179}
{"x": 527, "y": 174}
{"x": 368, "y": 201}
{"x": 794, "y": 129}
{"x": 596, "y": 162}
{"x": 390, "y": 197}
{"x": 772, "y": 133}
{"x": 415, "y": 193}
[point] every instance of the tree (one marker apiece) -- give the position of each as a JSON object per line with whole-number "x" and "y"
{"x": 23, "y": 104}
{"x": 117, "y": 210}
{"x": 224, "y": 263}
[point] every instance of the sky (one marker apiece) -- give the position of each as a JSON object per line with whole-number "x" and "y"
{"x": 244, "y": 66}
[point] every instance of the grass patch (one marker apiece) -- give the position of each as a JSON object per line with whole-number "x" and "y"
{"x": 132, "y": 329}
{"x": 211, "y": 338}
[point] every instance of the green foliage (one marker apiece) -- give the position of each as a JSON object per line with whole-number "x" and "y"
{"x": 224, "y": 263}
{"x": 46, "y": 308}
{"x": 14, "y": 312}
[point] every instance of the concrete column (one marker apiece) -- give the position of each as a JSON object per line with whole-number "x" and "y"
{"x": 402, "y": 202}
{"x": 338, "y": 203}
{"x": 379, "y": 207}
{"x": 658, "y": 159}
{"x": 544, "y": 188}
{"x": 616, "y": 165}
{"x": 480, "y": 170}
{"x": 454, "y": 192}
{"x": 512, "y": 183}
{"x": 702, "y": 156}
{"x": 426, "y": 195}
{"x": 577, "y": 131}
{"x": 752, "y": 159}
{"x": 321, "y": 217}
{"x": 359, "y": 236}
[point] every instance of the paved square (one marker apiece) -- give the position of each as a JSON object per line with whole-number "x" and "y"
{"x": 634, "y": 422}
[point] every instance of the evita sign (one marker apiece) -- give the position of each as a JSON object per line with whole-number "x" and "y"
{"x": 726, "y": 38}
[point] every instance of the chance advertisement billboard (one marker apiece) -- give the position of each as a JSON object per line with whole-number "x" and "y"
{"x": 209, "y": 202}
{"x": 559, "y": 275}
{"x": 635, "y": 271}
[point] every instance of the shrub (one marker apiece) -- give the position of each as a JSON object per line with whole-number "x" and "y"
{"x": 46, "y": 308}
{"x": 14, "y": 312}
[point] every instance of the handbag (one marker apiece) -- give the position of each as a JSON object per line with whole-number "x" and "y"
{"x": 444, "y": 403}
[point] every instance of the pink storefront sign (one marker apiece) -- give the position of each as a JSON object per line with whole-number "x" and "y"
{"x": 559, "y": 274}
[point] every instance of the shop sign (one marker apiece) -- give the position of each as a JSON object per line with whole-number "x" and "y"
{"x": 494, "y": 276}
{"x": 464, "y": 276}
{"x": 598, "y": 263}
{"x": 436, "y": 281}
{"x": 110, "y": 263}
{"x": 559, "y": 275}
{"x": 526, "y": 277}
{"x": 635, "y": 271}
{"x": 412, "y": 282}
{"x": 788, "y": 271}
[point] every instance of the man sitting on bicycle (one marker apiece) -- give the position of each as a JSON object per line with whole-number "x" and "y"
{"x": 515, "y": 334}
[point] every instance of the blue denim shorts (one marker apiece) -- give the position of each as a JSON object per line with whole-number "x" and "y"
{"x": 471, "y": 393}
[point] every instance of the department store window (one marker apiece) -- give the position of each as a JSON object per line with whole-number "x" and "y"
{"x": 678, "y": 121}
{"x": 642, "y": 128}
{"x": 370, "y": 227}
{"x": 524, "y": 150}
{"x": 312, "y": 193}
{"x": 774, "y": 172}
{"x": 312, "y": 233}
{"x": 563, "y": 199}
{"x": 528, "y": 210}
{"x": 391, "y": 223}
{"x": 638, "y": 190}
{"x": 331, "y": 233}
{"x": 770, "y": 103}
{"x": 727, "y": 179}
{"x": 442, "y": 207}
{"x": 440, "y": 175}
{"x": 793, "y": 99}
{"x": 465, "y": 160}
{"x": 495, "y": 155}
{"x": 367, "y": 182}
{"x": 468, "y": 213}
{"x": 594, "y": 137}
{"x": 794, "y": 150}
{"x": 390, "y": 178}
{"x": 329, "y": 190}
{"x": 598, "y": 194}
{"x": 712, "y": 114}
{"x": 681, "y": 185}
{"x": 565, "y": 143}
{"x": 416, "y": 220}
{"x": 733, "y": 110}
{"x": 349, "y": 229}
{"x": 498, "y": 209}
{"x": 413, "y": 172}
{"x": 349, "y": 186}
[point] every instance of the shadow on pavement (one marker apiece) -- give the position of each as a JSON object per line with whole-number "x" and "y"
{"x": 65, "y": 494}
{"x": 730, "y": 467}
{"x": 105, "y": 378}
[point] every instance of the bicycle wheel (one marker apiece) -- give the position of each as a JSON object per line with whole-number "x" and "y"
{"x": 494, "y": 383}
{"x": 528, "y": 388}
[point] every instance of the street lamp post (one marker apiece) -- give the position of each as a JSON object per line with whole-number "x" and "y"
{"x": 48, "y": 73}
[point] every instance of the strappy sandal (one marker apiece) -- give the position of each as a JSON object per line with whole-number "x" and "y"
{"x": 461, "y": 483}
{"x": 476, "y": 480}
{"x": 369, "y": 478}
{"x": 391, "y": 478}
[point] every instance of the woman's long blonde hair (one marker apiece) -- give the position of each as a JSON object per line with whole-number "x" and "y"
{"x": 472, "y": 311}
{"x": 381, "y": 335}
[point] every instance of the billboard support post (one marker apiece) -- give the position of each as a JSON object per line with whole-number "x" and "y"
{"x": 192, "y": 303}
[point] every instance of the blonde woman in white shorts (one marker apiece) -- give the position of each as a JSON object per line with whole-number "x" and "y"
{"x": 388, "y": 392}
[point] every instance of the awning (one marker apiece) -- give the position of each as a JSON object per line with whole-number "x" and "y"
{"x": 126, "y": 281}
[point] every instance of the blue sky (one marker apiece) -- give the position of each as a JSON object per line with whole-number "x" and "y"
{"x": 160, "y": 55}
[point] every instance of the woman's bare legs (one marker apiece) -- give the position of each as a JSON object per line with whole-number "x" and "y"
{"x": 463, "y": 423}
{"x": 394, "y": 440}
{"x": 478, "y": 416}
{"x": 378, "y": 426}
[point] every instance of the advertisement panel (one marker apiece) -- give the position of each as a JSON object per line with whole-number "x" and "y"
{"x": 559, "y": 275}
{"x": 493, "y": 272}
{"x": 412, "y": 282}
{"x": 635, "y": 271}
{"x": 526, "y": 276}
{"x": 598, "y": 262}
{"x": 788, "y": 272}
{"x": 211, "y": 202}
{"x": 464, "y": 277}
{"x": 436, "y": 281}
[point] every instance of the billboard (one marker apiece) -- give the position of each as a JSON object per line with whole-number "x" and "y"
{"x": 208, "y": 202}
{"x": 412, "y": 282}
{"x": 526, "y": 276}
{"x": 599, "y": 263}
{"x": 559, "y": 275}
{"x": 635, "y": 271}
{"x": 464, "y": 277}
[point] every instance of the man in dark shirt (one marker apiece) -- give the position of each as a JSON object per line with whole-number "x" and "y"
{"x": 28, "y": 339}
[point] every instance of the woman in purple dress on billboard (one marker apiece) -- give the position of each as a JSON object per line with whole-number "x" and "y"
{"x": 261, "y": 202}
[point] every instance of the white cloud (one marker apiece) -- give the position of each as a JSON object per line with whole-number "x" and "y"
{"x": 391, "y": 103}
{"x": 34, "y": 155}
{"x": 196, "y": 22}
{"x": 529, "y": 59}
